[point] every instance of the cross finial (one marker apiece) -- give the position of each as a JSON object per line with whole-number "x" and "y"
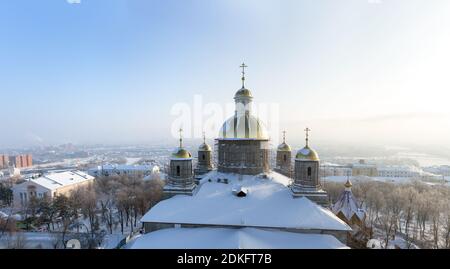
{"x": 243, "y": 66}
{"x": 284, "y": 136}
{"x": 307, "y": 130}
{"x": 181, "y": 137}
{"x": 204, "y": 137}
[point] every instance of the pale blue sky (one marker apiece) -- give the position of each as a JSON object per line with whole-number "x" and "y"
{"x": 109, "y": 71}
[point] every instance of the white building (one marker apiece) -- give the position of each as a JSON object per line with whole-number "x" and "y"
{"x": 123, "y": 169}
{"x": 49, "y": 185}
{"x": 443, "y": 170}
{"x": 399, "y": 171}
{"x": 331, "y": 169}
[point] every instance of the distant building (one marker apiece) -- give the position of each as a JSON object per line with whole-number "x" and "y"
{"x": 49, "y": 186}
{"x": 123, "y": 169}
{"x": 4, "y": 161}
{"x": 443, "y": 170}
{"x": 21, "y": 161}
{"x": 329, "y": 169}
{"x": 364, "y": 169}
{"x": 399, "y": 171}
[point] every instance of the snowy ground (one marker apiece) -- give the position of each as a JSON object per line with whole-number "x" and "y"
{"x": 31, "y": 240}
{"x": 112, "y": 240}
{"x": 46, "y": 240}
{"x": 131, "y": 161}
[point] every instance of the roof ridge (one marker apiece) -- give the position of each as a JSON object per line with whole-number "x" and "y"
{"x": 51, "y": 179}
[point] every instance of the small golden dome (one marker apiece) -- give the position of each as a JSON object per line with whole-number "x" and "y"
{"x": 284, "y": 147}
{"x": 348, "y": 184}
{"x": 307, "y": 154}
{"x": 181, "y": 153}
{"x": 204, "y": 147}
{"x": 243, "y": 92}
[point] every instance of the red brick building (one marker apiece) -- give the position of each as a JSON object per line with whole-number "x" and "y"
{"x": 3, "y": 161}
{"x": 21, "y": 161}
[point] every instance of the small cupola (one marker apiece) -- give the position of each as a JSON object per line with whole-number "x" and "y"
{"x": 284, "y": 146}
{"x": 180, "y": 152}
{"x": 306, "y": 153}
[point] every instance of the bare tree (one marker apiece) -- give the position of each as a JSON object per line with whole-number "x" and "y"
{"x": 106, "y": 189}
{"x": 333, "y": 189}
{"x": 389, "y": 215}
{"x": 86, "y": 196}
{"x": 409, "y": 196}
{"x": 361, "y": 190}
{"x": 66, "y": 211}
{"x": 446, "y": 223}
{"x": 422, "y": 215}
{"x": 374, "y": 204}
{"x": 435, "y": 209}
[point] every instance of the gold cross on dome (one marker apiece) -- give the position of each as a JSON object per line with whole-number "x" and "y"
{"x": 284, "y": 136}
{"x": 307, "y": 130}
{"x": 181, "y": 137}
{"x": 243, "y": 66}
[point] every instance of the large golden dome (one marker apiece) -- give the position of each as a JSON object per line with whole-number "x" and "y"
{"x": 307, "y": 154}
{"x": 181, "y": 153}
{"x": 243, "y": 127}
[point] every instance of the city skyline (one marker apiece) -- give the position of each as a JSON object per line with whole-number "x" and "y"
{"x": 368, "y": 72}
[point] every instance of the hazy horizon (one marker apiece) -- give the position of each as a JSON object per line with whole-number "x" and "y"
{"x": 356, "y": 72}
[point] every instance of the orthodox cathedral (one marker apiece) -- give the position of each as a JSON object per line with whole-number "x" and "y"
{"x": 243, "y": 148}
{"x": 243, "y": 203}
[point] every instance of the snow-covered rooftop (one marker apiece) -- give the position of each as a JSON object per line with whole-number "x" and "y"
{"x": 229, "y": 238}
{"x": 348, "y": 205}
{"x": 56, "y": 180}
{"x": 268, "y": 203}
{"x": 124, "y": 167}
{"x": 364, "y": 165}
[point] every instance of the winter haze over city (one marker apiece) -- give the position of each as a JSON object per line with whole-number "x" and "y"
{"x": 225, "y": 124}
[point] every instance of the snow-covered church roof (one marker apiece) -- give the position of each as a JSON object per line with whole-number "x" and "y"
{"x": 229, "y": 238}
{"x": 347, "y": 204}
{"x": 268, "y": 203}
